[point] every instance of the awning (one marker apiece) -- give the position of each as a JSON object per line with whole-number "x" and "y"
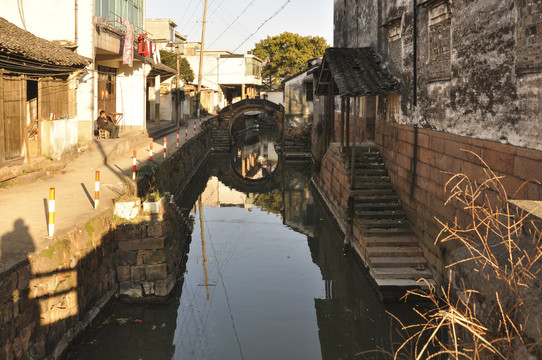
{"x": 160, "y": 69}
{"x": 355, "y": 72}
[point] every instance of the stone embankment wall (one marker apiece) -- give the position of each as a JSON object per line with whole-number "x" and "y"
{"x": 333, "y": 182}
{"x": 150, "y": 252}
{"x": 438, "y": 156}
{"x": 48, "y": 300}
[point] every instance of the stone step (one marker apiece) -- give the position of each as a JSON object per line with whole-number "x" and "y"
{"x": 370, "y": 178}
{"x": 373, "y": 192}
{"x": 396, "y": 240}
{"x": 402, "y": 273}
{"x": 390, "y": 206}
{"x": 386, "y": 284}
{"x": 381, "y": 223}
{"x": 398, "y": 262}
{"x": 387, "y": 231}
{"x": 372, "y": 185}
{"x": 373, "y": 171}
{"x": 390, "y": 251}
{"x": 376, "y": 199}
{"x": 383, "y": 214}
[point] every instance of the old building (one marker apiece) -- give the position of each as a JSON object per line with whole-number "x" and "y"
{"x": 227, "y": 77}
{"x": 166, "y": 38}
{"x": 469, "y": 77}
{"x": 37, "y": 96}
{"x": 103, "y": 31}
{"x": 299, "y": 95}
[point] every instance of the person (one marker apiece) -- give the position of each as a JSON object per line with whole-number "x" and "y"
{"x": 105, "y": 123}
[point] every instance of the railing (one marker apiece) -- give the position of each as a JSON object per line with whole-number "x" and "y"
{"x": 114, "y": 23}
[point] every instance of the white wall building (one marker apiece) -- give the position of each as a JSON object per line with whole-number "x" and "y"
{"x": 93, "y": 29}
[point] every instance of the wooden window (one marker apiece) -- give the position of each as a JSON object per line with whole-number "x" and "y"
{"x": 529, "y": 36}
{"x": 52, "y": 98}
{"x": 309, "y": 91}
{"x": 394, "y": 30}
{"x": 439, "y": 22}
{"x": 12, "y": 113}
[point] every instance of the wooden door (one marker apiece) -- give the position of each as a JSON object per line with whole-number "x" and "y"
{"x": 12, "y": 115}
{"x": 107, "y": 89}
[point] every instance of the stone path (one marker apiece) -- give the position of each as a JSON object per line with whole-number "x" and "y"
{"x": 23, "y": 224}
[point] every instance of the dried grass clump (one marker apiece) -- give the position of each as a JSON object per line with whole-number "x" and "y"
{"x": 501, "y": 316}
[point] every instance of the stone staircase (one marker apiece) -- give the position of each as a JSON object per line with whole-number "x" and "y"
{"x": 159, "y": 131}
{"x": 220, "y": 140}
{"x": 394, "y": 257}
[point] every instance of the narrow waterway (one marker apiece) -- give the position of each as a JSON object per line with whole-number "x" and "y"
{"x": 265, "y": 278}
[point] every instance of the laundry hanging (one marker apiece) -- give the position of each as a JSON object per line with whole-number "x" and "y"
{"x": 128, "y": 52}
{"x": 144, "y": 45}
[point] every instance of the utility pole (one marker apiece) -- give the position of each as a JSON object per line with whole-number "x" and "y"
{"x": 178, "y": 92}
{"x": 200, "y": 71}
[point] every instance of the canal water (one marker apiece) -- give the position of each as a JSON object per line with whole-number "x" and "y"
{"x": 265, "y": 277}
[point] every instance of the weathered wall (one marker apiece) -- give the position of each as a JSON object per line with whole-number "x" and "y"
{"x": 332, "y": 181}
{"x": 478, "y": 66}
{"x": 151, "y": 252}
{"x": 48, "y": 300}
{"x": 439, "y": 154}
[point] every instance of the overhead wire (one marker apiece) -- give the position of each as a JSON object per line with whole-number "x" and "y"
{"x": 250, "y": 36}
{"x": 233, "y": 22}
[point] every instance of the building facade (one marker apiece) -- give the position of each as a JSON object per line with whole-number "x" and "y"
{"x": 97, "y": 30}
{"x": 469, "y": 78}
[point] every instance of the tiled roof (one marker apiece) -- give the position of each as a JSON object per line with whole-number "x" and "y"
{"x": 358, "y": 72}
{"x": 14, "y": 40}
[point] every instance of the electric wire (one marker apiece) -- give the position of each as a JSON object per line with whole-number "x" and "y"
{"x": 251, "y": 35}
{"x": 234, "y": 21}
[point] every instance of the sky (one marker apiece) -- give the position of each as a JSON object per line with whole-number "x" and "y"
{"x": 231, "y": 23}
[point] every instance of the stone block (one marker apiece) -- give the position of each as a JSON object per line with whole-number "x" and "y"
{"x": 130, "y": 232}
{"x": 154, "y": 257}
{"x": 527, "y": 169}
{"x": 154, "y": 230}
{"x": 148, "y": 288}
{"x": 137, "y": 273}
{"x": 126, "y": 258}
{"x": 143, "y": 244}
{"x": 130, "y": 289}
{"x": 123, "y": 273}
{"x": 127, "y": 209}
{"x": 154, "y": 207}
{"x": 156, "y": 272}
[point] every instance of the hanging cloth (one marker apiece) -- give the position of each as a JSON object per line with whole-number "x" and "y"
{"x": 144, "y": 44}
{"x": 128, "y": 52}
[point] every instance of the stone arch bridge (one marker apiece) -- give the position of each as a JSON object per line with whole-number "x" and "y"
{"x": 228, "y": 116}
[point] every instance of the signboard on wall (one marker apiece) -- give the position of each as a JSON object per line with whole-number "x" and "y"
{"x": 164, "y": 88}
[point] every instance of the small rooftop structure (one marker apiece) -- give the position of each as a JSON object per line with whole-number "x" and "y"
{"x": 355, "y": 72}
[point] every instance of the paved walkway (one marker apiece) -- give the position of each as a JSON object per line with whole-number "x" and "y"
{"x": 23, "y": 224}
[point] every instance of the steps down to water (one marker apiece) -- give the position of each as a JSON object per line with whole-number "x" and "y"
{"x": 220, "y": 140}
{"x": 394, "y": 257}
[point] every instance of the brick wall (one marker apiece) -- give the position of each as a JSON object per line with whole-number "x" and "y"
{"x": 333, "y": 181}
{"x": 438, "y": 153}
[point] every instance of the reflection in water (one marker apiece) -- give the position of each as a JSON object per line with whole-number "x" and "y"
{"x": 269, "y": 281}
{"x": 253, "y": 155}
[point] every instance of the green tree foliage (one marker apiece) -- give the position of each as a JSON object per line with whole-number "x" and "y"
{"x": 288, "y": 53}
{"x": 170, "y": 59}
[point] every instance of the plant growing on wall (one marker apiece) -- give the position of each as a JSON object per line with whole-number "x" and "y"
{"x": 491, "y": 306}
